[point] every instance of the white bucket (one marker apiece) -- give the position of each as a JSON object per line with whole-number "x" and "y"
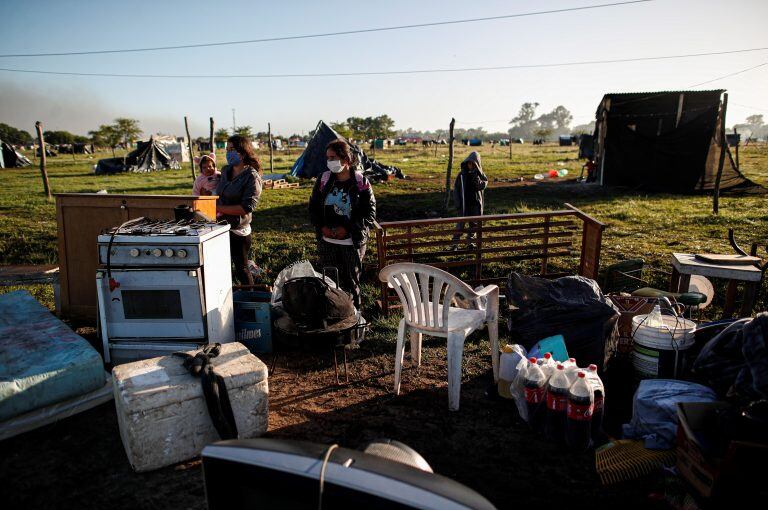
{"x": 657, "y": 351}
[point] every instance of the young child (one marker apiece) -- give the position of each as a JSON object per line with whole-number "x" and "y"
{"x": 206, "y": 182}
{"x": 468, "y": 197}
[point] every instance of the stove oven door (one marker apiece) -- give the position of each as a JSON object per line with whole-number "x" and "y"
{"x": 154, "y": 304}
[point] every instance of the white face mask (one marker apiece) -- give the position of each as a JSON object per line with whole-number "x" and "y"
{"x": 335, "y": 166}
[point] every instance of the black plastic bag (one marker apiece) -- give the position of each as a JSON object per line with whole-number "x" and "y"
{"x": 572, "y": 306}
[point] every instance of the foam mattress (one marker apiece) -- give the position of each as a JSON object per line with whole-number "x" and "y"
{"x": 42, "y": 361}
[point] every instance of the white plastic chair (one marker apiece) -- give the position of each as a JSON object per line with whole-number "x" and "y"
{"x": 426, "y": 294}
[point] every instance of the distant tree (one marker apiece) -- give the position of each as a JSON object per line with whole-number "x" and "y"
{"x": 584, "y": 128}
{"x": 542, "y": 132}
{"x": 526, "y": 114}
{"x": 128, "y": 129}
{"x": 59, "y": 137}
{"x": 755, "y": 120}
{"x": 342, "y": 129}
{"x": 12, "y": 135}
{"x": 106, "y": 136}
{"x": 246, "y": 131}
{"x": 562, "y": 117}
{"x": 221, "y": 135}
{"x": 81, "y": 139}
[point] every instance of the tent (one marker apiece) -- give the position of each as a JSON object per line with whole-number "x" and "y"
{"x": 312, "y": 162}
{"x": 148, "y": 157}
{"x": 11, "y": 158}
{"x": 662, "y": 141}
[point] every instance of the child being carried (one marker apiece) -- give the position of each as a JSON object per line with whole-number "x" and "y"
{"x": 206, "y": 182}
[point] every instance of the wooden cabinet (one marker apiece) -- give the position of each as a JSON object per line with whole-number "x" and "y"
{"x": 81, "y": 217}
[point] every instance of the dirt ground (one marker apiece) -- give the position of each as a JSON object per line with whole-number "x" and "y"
{"x": 80, "y": 462}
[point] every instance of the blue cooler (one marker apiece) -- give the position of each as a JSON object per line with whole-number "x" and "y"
{"x": 253, "y": 320}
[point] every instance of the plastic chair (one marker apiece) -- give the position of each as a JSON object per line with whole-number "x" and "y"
{"x": 427, "y": 294}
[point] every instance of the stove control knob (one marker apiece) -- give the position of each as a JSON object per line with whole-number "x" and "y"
{"x": 168, "y": 252}
{"x": 134, "y": 252}
{"x": 182, "y": 254}
{"x": 157, "y": 252}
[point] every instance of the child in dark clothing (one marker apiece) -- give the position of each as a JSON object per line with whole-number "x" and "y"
{"x": 468, "y": 197}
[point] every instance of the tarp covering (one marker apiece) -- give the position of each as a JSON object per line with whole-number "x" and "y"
{"x": 148, "y": 157}
{"x": 312, "y": 161}
{"x": 42, "y": 361}
{"x": 10, "y": 158}
{"x": 662, "y": 141}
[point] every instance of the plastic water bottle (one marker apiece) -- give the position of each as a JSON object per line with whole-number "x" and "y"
{"x": 654, "y": 319}
{"x": 557, "y": 404}
{"x": 599, "y": 392}
{"x": 578, "y": 429}
{"x": 535, "y": 395}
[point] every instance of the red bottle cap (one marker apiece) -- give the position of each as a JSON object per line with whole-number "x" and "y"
{"x": 593, "y": 367}
{"x": 548, "y": 355}
{"x": 532, "y": 359}
{"x": 581, "y": 374}
{"x": 560, "y": 367}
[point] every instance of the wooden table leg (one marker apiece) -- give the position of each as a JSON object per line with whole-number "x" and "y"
{"x": 750, "y": 293}
{"x": 730, "y": 299}
{"x": 685, "y": 283}
{"x": 674, "y": 283}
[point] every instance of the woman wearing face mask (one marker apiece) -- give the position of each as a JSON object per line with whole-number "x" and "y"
{"x": 342, "y": 209}
{"x": 239, "y": 190}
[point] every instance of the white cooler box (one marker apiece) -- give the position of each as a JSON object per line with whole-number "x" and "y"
{"x": 162, "y": 412}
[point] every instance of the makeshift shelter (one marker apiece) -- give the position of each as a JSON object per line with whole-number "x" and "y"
{"x": 148, "y": 157}
{"x": 312, "y": 161}
{"x": 662, "y": 141}
{"x": 565, "y": 140}
{"x": 586, "y": 147}
{"x": 11, "y": 158}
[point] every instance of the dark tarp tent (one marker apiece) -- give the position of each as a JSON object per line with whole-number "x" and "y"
{"x": 10, "y": 158}
{"x": 148, "y": 157}
{"x": 663, "y": 141}
{"x": 312, "y": 161}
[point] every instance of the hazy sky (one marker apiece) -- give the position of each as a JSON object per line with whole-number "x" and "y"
{"x": 421, "y": 101}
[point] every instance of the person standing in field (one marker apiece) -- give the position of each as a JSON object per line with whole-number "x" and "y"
{"x": 239, "y": 190}
{"x": 342, "y": 209}
{"x": 468, "y": 191}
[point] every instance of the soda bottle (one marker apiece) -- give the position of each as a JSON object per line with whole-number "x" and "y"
{"x": 578, "y": 429}
{"x": 535, "y": 385}
{"x": 599, "y": 391}
{"x": 571, "y": 368}
{"x": 547, "y": 364}
{"x": 557, "y": 403}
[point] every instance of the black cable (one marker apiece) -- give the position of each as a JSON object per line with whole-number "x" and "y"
{"x": 380, "y": 73}
{"x": 328, "y": 34}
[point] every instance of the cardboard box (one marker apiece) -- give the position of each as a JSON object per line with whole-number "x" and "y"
{"x": 717, "y": 468}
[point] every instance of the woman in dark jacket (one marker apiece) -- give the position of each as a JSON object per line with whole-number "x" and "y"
{"x": 468, "y": 193}
{"x": 239, "y": 190}
{"x": 342, "y": 209}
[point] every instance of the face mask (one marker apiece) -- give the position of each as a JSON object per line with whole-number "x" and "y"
{"x": 233, "y": 158}
{"x": 335, "y": 166}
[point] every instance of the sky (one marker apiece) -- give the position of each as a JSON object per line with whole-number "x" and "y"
{"x": 420, "y": 101}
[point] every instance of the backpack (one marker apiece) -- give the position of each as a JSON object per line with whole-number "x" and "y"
{"x": 313, "y": 304}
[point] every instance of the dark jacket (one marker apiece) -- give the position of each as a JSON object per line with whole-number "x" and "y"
{"x": 362, "y": 201}
{"x": 469, "y": 186}
{"x": 244, "y": 190}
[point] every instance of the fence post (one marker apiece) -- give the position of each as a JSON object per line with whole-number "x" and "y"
{"x": 189, "y": 141}
{"x": 450, "y": 164}
{"x": 723, "y": 145}
{"x": 381, "y": 251}
{"x": 212, "y": 141}
{"x": 43, "y": 171}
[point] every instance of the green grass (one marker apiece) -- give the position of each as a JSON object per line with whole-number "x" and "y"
{"x": 650, "y": 226}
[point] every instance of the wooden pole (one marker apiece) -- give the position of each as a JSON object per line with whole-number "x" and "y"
{"x": 450, "y": 164}
{"x": 41, "y": 142}
{"x": 738, "y": 142}
{"x": 269, "y": 133}
{"x": 189, "y": 141}
{"x": 723, "y": 147}
{"x": 211, "y": 140}
{"x": 510, "y": 147}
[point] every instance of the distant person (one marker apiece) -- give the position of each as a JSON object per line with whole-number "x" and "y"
{"x": 206, "y": 182}
{"x": 239, "y": 190}
{"x": 342, "y": 209}
{"x": 468, "y": 191}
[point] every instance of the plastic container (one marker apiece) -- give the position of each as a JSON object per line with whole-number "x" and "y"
{"x": 581, "y": 402}
{"x": 598, "y": 390}
{"x": 253, "y": 320}
{"x": 557, "y": 405}
{"x": 535, "y": 385}
{"x": 547, "y": 364}
{"x": 508, "y": 367}
{"x": 658, "y": 351}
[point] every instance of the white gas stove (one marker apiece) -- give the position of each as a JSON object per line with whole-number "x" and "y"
{"x": 163, "y": 286}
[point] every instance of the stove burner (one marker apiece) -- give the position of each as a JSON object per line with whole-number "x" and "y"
{"x": 154, "y": 227}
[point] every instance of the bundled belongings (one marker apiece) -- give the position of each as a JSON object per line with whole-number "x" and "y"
{"x": 735, "y": 362}
{"x": 47, "y": 372}
{"x": 312, "y": 162}
{"x": 148, "y": 157}
{"x": 572, "y": 306}
{"x": 169, "y": 408}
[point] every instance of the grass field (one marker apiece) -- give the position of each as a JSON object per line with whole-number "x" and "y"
{"x": 644, "y": 225}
